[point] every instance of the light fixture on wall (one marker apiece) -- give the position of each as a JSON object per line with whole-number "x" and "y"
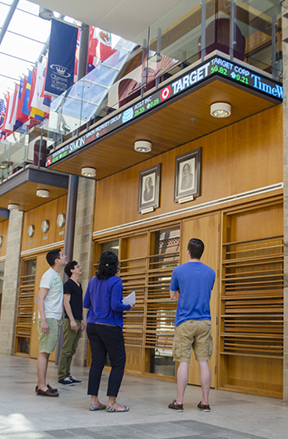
{"x": 42, "y": 193}
{"x": 88, "y": 172}
{"x": 220, "y": 109}
{"x": 142, "y": 146}
{"x": 13, "y": 206}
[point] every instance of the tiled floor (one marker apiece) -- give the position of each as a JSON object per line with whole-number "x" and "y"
{"x": 23, "y": 415}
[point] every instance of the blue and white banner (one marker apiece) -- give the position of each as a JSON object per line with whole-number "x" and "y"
{"x": 61, "y": 58}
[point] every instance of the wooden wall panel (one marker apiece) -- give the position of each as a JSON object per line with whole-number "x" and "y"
{"x": 4, "y": 234}
{"x": 48, "y": 211}
{"x": 238, "y": 158}
{"x": 255, "y": 223}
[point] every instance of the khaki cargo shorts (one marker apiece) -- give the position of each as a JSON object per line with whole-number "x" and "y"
{"x": 48, "y": 342}
{"x": 194, "y": 334}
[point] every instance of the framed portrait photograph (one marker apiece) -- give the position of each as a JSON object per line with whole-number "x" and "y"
{"x": 187, "y": 176}
{"x": 149, "y": 189}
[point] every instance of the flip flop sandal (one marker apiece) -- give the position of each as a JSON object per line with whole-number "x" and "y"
{"x": 112, "y": 410}
{"x": 94, "y": 407}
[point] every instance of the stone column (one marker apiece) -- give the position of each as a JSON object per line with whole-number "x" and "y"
{"x": 11, "y": 283}
{"x": 83, "y": 247}
{"x": 285, "y": 204}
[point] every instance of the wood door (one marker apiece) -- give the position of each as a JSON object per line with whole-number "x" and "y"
{"x": 206, "y": 228}
{"x": 41, "y": 267}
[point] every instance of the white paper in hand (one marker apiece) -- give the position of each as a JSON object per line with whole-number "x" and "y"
{"x": 130, "y": 300}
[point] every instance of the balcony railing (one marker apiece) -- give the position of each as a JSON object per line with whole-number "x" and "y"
{"x": 246, "y": 30}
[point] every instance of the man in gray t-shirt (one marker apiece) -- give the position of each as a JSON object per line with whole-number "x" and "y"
{"x": 50, "y": 307}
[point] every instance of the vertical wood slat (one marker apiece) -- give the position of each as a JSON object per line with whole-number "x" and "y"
{"x": 25, "y": 306}
{"x": 151, "y": 323}
{"x": 252, "y": 322}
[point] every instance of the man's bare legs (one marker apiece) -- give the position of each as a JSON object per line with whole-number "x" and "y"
{"x": 182, "y": 380}
{"x": 205, "y": 380}
{"x": 42, "y": 365}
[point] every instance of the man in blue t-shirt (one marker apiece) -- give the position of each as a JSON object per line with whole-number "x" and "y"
{"x": 191, "y": 284}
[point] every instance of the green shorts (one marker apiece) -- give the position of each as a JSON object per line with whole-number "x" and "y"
{"x": 48, "y": 342}
{"x": 194, "y": 334}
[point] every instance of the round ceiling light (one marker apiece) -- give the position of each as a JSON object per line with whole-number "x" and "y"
{"x": 88, "y": 172}
{"x": 42, "y": 193}
{"x": 44, "y": 13}
{"x": 13, "y": 206}
{"x": 142, "y": 146}
{"x": 220, "y": 109}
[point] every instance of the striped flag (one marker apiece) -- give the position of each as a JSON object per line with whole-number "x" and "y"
{"x": 12, "y": 120}
{"x": 20, "y": 116}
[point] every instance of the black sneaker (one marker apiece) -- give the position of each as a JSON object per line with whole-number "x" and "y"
{"x": 66, "y": 382}
{"x": 176, "y": 407}
{"x": 203, "y": 407}
{"x": 74, "y": 380}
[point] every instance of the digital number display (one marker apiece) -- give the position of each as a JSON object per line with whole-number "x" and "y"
{"x": 215, "y": 66}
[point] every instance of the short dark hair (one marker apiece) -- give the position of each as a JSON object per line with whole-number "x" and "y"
{"x": 195, "y": 248}
{"x": 52, "y": 256}
{"x": 70, "y": 266}
{"x": 107, "y": 266}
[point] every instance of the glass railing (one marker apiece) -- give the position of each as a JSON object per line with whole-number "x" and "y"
{"x": 247, "y": 30}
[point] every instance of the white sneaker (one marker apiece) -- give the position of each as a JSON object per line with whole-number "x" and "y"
{"x": 66, "y": 382}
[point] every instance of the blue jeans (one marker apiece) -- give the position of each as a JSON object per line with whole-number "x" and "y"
{"x": 106, "y": 339}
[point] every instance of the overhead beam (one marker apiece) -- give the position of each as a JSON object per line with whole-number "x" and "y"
{"x": 8, "y": 19}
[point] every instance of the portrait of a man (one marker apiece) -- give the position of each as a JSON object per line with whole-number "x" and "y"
{"x": 149, "y": 189}
{"x": 148, "y": 193}
{"x": 187, "y": 176}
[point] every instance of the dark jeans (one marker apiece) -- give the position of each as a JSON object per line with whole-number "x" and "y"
{"x": 106, "y": 339}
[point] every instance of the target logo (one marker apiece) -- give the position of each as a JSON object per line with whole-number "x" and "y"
{"x": 165, "y": 93}
{"x": 49, "y": 162}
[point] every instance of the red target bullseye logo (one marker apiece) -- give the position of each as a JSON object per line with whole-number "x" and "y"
{"x": 165, "y": 93}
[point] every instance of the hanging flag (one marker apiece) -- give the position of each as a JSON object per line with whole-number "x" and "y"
{"x": 61, "y": 58}
{"x": 25, "y": 107}
{"x": 3, "y": 134}
{"x": 2, "y": 112}
{"x": 101, "y": 47}
{"x": 20, "y": 116}
{"x": 39, "y": 100}
{"x": 32, "y": 88}
{"x": 77, "y": 55}
{"x": 6, "y": 125}
{"x": 12, "y": 120}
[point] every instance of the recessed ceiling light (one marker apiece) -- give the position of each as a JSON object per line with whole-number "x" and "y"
{"x": 42, "y": 193}
{"x": 220, "y": 109}
{"x": 88, "y": 172}
{"x": 142, "y": 146}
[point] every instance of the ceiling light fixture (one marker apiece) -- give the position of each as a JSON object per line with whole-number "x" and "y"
{"x": 142, "y": 146}
{"x": 44, "y": 13}
{"x": 13, "y": 206}
{"x": 88, "y": 172}
{"x": 42, "y": 193}
{"x": 220, "y": 109}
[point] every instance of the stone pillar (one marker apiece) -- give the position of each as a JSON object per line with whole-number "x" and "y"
{"x": 83, "y": 247}
{"x": 285, "y": 204}
{"x": 11, "y": 283}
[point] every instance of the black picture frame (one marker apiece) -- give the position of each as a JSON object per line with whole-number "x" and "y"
{"x": 149, "y": 189}
{"x": 187, "y": 176}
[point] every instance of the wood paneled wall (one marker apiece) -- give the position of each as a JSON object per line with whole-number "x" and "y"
{"x": 48, "y": 211}
{"x": 4, "y": 234}
{"x": 238, "y": 158}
